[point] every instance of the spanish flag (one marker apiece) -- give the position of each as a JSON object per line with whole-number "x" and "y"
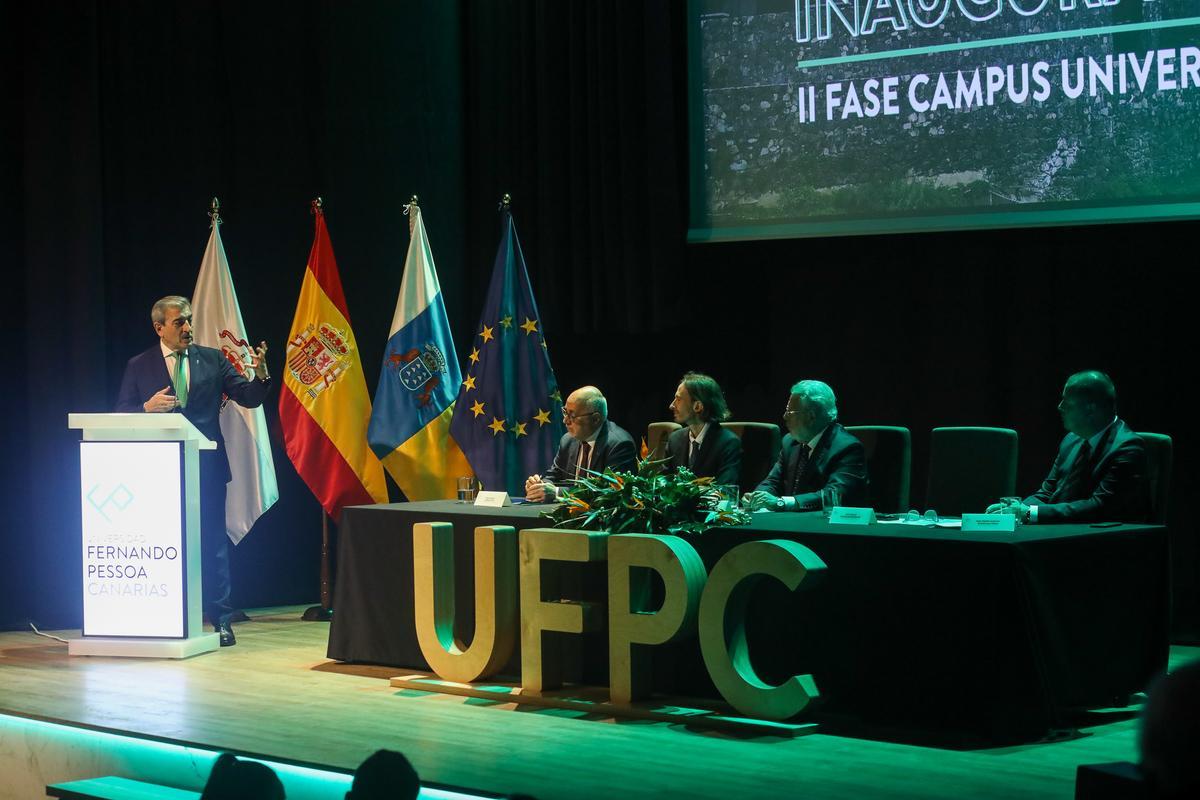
{"x": 324, "y": 406}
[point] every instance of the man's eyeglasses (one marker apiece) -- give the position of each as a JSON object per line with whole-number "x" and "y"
{"x": 571, "y": 416}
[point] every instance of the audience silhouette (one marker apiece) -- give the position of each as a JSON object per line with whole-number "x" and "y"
{"x": 385, "y": 775}
{"x": 232, "y": 779}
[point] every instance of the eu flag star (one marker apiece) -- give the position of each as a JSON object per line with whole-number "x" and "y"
{"x": 474, "y": 356}
{"x": 486, "y": 333}
{"x": 497, "y": 426}
{"x": 469, "y": 382}
{"x": 529, "y": 326}
{"x": 519, "y": 431}
{"x": 506, "y": 321}
{"x": 477, "y": 408}
{"x": 542, "y": 417}
{"x": 557, "y": 395}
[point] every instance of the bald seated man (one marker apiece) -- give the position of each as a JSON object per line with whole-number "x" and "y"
{"x": 1099, "y": 474}
{"x": 592, "y": 443}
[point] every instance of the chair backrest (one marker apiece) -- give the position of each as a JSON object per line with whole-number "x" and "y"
{"x": 970, "y": 468}
{"x": 656, "y": 438}
{"x": 889, "y": 464}
{"x": 1159, "y": 459}
{"x": 760, "y": 448}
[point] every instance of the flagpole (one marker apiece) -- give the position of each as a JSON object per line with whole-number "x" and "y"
{"x": 324, "y": 611}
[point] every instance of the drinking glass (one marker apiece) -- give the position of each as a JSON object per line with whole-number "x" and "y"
{"x": 831, "y": 497}
{"x": 468, "y": 487}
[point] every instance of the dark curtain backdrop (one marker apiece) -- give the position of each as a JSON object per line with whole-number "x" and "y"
{"x": 133, "y": 115}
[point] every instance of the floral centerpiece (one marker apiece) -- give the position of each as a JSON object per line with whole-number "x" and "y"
{"x": 646, "y": 501}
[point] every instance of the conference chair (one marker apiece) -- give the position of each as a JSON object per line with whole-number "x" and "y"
{"x": 760, "y": 449}
{"x": 1159, "y": 459}
{"x": 656, "y": 438}
{"x": 889, "y": 464}
{"x": 970, "y": 468}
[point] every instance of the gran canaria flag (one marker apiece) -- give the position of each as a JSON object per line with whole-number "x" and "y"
{"x": 410, "y": 423}
{"x": 218, "y": 323}
{"x": 508, "y": 416}
{"x": 324, "y": 406}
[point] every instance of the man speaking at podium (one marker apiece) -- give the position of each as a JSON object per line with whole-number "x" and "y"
{"x": 178, "y": 376}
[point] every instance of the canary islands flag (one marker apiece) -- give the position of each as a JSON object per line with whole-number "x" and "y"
{"x": 508, "y": 416}
{"x": 419, "y": 379}
{"x": 324, "y": 406}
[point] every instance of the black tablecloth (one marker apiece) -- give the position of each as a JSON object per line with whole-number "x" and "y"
{"x": 993, "y": 633}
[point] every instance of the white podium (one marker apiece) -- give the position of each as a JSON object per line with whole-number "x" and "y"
{"x": 140, "y": 493}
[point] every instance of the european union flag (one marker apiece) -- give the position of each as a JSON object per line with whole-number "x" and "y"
{"x": 508, "y": 415}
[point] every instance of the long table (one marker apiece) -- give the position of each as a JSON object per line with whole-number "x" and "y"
{"x": 995, "y": 635}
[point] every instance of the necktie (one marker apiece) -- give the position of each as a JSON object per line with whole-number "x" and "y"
{"x": 1072, "y": 485}
{"x": 694, "y": 455}
{"x": 585, "y": 459}
{"x": 801, "y": 466}
{"x": 179, "y": 379}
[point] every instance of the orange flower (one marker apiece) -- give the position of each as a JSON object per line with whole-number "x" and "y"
{"x": 577, "y": 506}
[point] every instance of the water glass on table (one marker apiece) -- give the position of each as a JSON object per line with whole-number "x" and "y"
{"x": 831, "y": 498}
{"x": 468, "y": 487}
{"x": 727, "y": 497}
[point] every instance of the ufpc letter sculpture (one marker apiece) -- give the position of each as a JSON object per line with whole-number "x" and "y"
{"x": 541, "y": 655}
{"x": 495, "y": 600}
{"x": 723, "y": 626}
{"x": 631, "y": 630}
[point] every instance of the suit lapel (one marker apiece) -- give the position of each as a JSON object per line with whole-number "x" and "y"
{"x": 1106, "y": 447}
{"x": 794, "y": 465}
{"x": 598, "y": 449}
{"x": 714, "y": 431}
{"x": 198, "y": 376}
{"x": 159, "y": 375}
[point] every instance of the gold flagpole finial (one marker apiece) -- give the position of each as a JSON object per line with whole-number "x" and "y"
{"x": 318, "y": 206}
{"x": 506, "y": 202}
{"x": 214, "y": 211}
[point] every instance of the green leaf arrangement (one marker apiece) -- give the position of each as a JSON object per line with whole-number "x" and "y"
{"x": 647, "y": 501}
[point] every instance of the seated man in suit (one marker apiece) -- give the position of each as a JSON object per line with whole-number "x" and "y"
{"x": 178, "y": 376}
{"x": 590, "y": 443}
{"x": 1100, "y": 471}
{"x": 702, "y": 445}
{"x": 817, "y": 452}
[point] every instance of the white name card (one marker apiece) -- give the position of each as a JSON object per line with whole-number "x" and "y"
{"x": 493, "y": 499}
{"x": 998, "y": 523}
{"x": 849, "y": 515}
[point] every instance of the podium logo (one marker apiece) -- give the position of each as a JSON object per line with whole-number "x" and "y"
{"x": 119, "y": 498}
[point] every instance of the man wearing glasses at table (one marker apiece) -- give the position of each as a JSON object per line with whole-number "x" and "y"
{"x": 591, "y": 443}
{"x": 817, "y": 452}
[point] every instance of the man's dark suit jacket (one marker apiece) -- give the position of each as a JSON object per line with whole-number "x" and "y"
{"x": 614, "y": 448}
{"x": 720, "y": 456}
{"x": 1115, "y": 489}
{"x": 839, "y": 460}
{"x": 212, "y": 376}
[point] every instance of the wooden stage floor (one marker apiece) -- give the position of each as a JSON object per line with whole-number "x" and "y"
{"x": 276, "y": 695}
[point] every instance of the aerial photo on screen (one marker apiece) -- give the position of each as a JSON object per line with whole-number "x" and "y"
{"x": 878, "y": 113}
